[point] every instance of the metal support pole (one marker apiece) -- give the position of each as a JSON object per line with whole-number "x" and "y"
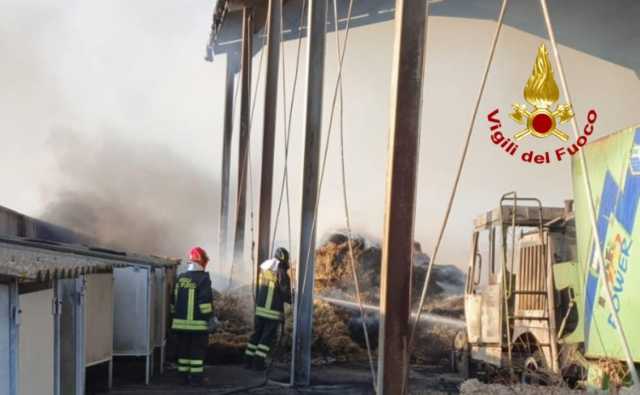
{"x": 162, "y": 356}
{"x": 397, "y": 250}
{"x": 270, "y": 108}
{"x": 81, "y": 334}
{"x": 301, "y": 361}
{"x": 148, "y": 330}
{"x": 110, "y": 373}
{"x": 57, "y": 337}
{"x": 226, "y": 154}
{"x": 243, "y": 149}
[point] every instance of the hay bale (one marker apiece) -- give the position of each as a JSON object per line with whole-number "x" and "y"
{"x": 227, "y": 344}
{"x": 337, "y": 333}
{"x": 331, "y": 335}
{"x": 334, "y": 278}
{"x": 333, "y": 270}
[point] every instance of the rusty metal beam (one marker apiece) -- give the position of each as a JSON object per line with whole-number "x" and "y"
{"x": 302, "y": 331}
{"x": 270, "y": 107}
{"x": 226, "y": 154}
{"x": 243, "y": 148}
{"x": 397, "y": 250}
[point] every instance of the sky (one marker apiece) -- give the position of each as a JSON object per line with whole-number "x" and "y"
{"x": 100, "y": 97}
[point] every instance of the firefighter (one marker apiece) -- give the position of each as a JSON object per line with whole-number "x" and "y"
{"x": 274, "y": 290}
{"x": 192, "y": 309}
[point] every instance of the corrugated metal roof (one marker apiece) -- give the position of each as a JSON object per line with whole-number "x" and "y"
{"x": 40, "y": 260}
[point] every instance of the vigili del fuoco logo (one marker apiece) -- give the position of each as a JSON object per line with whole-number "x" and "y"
{"x": 541, "y": 119}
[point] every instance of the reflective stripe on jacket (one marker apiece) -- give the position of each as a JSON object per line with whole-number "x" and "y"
{"x": 192, "y": 302}
{"x": 273, "y": 292}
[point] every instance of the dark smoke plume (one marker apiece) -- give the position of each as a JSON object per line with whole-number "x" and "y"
{"x": 135, "y": 197}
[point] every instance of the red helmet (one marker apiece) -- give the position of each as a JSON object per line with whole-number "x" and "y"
{"x": 199, "y": 255}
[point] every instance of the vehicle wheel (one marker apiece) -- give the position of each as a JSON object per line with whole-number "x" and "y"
{"x": 460, "y": 354}
{"x": 574, "y": 374}
{"x": 533, "y": 369}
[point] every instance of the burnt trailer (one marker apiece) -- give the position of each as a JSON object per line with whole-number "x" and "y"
{"x": 536, "y": 297}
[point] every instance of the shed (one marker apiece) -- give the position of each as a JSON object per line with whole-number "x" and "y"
{"x": 49, "y": 331}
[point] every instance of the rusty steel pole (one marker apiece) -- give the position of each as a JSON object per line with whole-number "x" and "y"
{"x": 302, "y": 330}
{"x": 243, "y": 147}
{"x": 270, "y": 107}
{"x": 226, "y": 155}
{"x": 397, "y": 249}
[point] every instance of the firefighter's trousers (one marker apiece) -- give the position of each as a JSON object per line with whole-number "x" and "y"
{"x": 262, "y": 340}
{"x": 192, "y": 348}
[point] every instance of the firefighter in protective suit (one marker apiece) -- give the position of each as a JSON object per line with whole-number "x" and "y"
{"x": 192, "y": 309}
{"x": 274, "y": 290}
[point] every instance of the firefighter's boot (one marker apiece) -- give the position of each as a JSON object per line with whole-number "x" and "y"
{"x": 199, "y": 381}
{"x": 249, "y": 355}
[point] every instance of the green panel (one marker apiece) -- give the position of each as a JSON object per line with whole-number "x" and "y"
{"x": 614, "y": 169}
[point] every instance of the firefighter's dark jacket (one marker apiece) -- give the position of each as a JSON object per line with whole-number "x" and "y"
{"x": 192, "y": 302}
{"x": 274, "y": 291}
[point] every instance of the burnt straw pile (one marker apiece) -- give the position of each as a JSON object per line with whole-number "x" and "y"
{"x": 337, "y": 331}
{"x": 334, "y": 278}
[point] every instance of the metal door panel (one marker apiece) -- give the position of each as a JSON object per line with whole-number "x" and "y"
{"x": 491, "y": 320}
{"x": 131, "y": 311}
{"x": 14, "y": 334}
{"x": 71, "y": 336}
{"x": 36, "y": 343}
{"x": 67, "y": 293}
{"x": 153, "y": 302}
{"x": 98, "y": 318}
{"x": 57, "y": 333}
{"x": 472, "y": 311}
{"x": 5, "y": 340}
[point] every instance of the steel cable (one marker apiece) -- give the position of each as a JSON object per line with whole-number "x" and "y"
{"x": 456, "y": 182}
{"x": 284, "y": 187}
{"x": 363, "y": 314}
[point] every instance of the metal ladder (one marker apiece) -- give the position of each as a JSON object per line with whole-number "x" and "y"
{"x": 508, "y": 287}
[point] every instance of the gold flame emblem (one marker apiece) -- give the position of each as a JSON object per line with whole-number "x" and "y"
{"x": 541, "y": 91}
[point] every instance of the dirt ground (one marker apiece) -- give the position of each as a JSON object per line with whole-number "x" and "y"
{"x": 344, "y": 379}
{"x": 475, "y": 387}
